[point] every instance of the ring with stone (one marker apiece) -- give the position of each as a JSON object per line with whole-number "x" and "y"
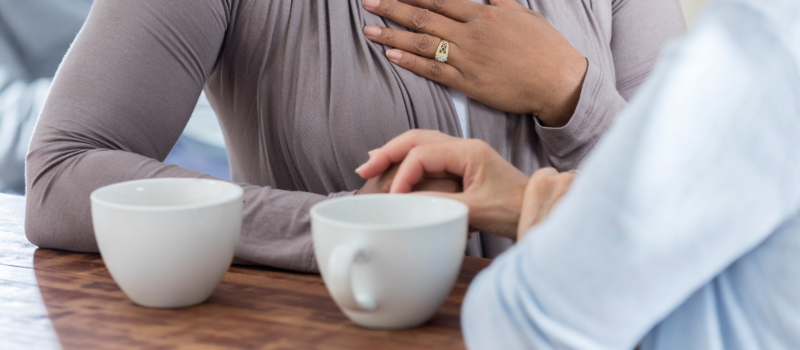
{"x": 442, "y": 51}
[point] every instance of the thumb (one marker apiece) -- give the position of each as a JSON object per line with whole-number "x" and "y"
{"x": 508, "y": 5}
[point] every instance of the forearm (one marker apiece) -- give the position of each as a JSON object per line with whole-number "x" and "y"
{"x": 640, "y": 29}
{"x": 565, "y": 147}
{"x": 275, "y": 226}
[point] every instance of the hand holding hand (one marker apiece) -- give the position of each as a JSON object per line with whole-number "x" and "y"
{"x": 439, "y": 182}
{"x": 493, "y": 188}
{"x": 506, "y": 56}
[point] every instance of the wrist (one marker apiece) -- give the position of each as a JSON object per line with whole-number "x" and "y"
{"x": 566, "y": 95}
{"x": 500, "y": 214}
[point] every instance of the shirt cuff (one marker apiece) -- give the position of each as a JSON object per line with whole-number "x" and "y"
{"x": 599, "y": 103}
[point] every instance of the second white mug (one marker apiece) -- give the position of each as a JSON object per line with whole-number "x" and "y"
{"x": 389, "y": 261}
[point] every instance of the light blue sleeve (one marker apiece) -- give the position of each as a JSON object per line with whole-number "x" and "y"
{"x": 701, "y": 168}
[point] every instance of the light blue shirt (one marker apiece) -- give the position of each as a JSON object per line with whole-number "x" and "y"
{"x": 683, "y": 230}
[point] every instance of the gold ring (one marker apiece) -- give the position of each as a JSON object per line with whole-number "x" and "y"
{"x": 442, "y": 51}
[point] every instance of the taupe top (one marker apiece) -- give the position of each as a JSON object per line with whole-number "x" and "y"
{"x": 302, "y": 96}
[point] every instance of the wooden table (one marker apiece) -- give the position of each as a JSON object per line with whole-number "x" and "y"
{"x": 51, "y": 299}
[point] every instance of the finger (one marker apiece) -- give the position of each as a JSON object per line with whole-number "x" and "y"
{"x": 441, "y": 181}
{"x": 529, "y": 210}
{"x": 420, "y": 44}
{"x": 509, "y": 5}
{"x": 546, "y": 172}
{"x": 536, "y": 191}
{"x": 562, "y": 185}
{"x": 449, "y": 157}
{"x": 415, "y": 18}
{"x": 544, "y": 190}
{"x": 438, "y": 185}
{"x": 395, "y": 150}
{"x": 442, "y": 73}
{"x": 459, "y": 10}
{"x": 459, "y": 196}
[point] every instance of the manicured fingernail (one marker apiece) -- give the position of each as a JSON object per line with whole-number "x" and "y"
{"x": 361, "y": 167}
{"x": 371, "y": 3}
{"x": 394, "y": 54}
{"x": 372, "y": 31}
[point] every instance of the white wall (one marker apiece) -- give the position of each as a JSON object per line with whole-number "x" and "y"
{"x": 690, "y": 9}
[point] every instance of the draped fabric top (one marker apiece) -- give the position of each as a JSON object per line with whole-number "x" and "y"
{"x": 302, "y": 96}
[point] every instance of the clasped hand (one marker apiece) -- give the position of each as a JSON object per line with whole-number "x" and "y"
{"x": 506, "y": 56}
{"x": 501, "y": 199}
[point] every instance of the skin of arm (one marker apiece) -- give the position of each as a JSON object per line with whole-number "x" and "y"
{"x": 501, "y": 199}
{"x": 491, "y": 45}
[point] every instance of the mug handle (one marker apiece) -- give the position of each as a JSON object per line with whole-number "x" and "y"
{"x": 340, "y": 268}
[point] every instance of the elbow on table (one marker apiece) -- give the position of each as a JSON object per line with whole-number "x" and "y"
{"x": 55, "y": 217}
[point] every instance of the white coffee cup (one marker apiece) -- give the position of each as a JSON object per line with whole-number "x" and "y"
{"x": 167, "y": 242}
{"x": 389, "y": 261}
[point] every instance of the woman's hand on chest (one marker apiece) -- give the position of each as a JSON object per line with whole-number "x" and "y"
{"x": 504, "y": 55}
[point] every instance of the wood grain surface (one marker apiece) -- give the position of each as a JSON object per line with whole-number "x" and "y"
{"x": 52, "y": 298}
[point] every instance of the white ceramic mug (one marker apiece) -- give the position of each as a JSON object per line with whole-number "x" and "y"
{"x": 167, "y": 242}
{"x": 389, "y": 261}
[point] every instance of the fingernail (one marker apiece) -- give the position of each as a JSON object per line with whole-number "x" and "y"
{"x": 371, "y": 3}
{"x": 371, "y": 152}
{"x": 361, "y": 167}
{"x": 394, "y": 54}
{"x": 372, "y": 31}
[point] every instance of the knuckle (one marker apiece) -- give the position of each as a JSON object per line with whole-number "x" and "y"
{"x": 421, "y": 18}
{"x": 487, "y": 14}
{"x": 388, "y": 8}
{"x": 544, "y": 174}
{"x": 423, "y": 43}
{"x": 438, "y": 5}
{"x": 532, "y": 189}
{"x": 479, "y": 37}
{"x": 410, "y": 62}
{"x": 480, "y": 146}
{"x": 390, "y": 36}
{"x": 415, "y": 154}
{"x": 434, "y": 70}
{"x": 416, "y": 132}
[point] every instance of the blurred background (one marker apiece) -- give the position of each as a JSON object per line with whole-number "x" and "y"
{"x": 690, "y": 9}
{"x": 35, "y": 35}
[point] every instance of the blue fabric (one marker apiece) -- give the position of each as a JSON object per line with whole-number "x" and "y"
{"x": 683, "y": 230}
